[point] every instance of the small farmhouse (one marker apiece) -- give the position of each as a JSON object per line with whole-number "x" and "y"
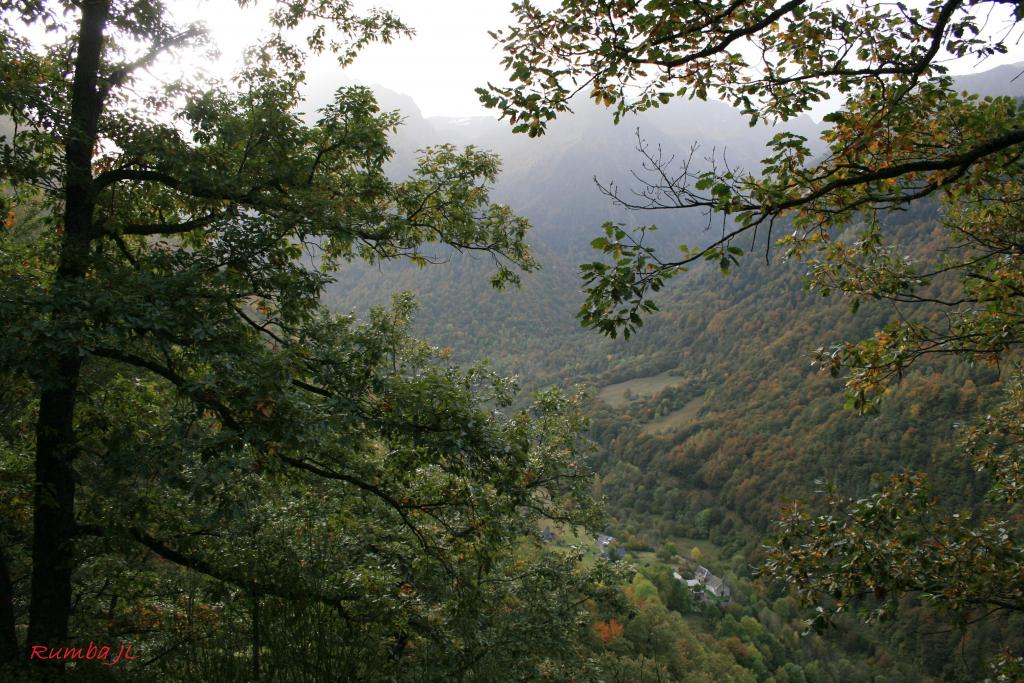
{"x": 704, "y": 583}
{"x": 604, "y": 542}
{"x": 716, "y": 587}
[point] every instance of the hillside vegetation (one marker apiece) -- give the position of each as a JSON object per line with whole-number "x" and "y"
{"x": 714, "y": 415}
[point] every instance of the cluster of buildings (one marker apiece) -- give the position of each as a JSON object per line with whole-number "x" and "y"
{"x": 704, "y": 584}
{"x": 603, "y": 546}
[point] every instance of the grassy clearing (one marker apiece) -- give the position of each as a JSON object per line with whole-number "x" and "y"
{"x": 709, "y": 552}
{"x": 645, "y": 557}
{"x": 676, "y": 419}
{"x": 566, "y": 536}
{"x": 642, "y": 387}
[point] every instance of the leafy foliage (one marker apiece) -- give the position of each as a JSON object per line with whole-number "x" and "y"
{"x": 199, "y": 453}
{"x": 902, "y": 134}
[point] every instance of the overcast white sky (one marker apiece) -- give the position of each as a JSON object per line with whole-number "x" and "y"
{"x": 439, "y": 67}
{"x": 450, "y": 55}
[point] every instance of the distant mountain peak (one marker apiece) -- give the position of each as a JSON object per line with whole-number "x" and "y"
{"x": 1007, "y": 79}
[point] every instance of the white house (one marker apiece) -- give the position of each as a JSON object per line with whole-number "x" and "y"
{"x": 705, "y": 583}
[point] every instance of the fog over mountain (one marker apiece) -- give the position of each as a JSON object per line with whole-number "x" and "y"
{"x": 550, "y": 180}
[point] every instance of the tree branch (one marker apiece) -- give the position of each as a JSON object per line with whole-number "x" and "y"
{"x": 107, "y": 178}
{"x": 172, "y": 228}
{"x": 198, "y": 564}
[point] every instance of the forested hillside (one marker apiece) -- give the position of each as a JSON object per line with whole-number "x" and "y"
{"x": 551, "y": 183}
{"x": 714, "y": 414}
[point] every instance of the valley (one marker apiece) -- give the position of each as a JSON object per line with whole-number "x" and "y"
{"x": 712, "y": 416}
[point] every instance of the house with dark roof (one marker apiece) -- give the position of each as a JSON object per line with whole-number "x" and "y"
{"x": 716, "y": 587}
{"x": 704, "y": 583}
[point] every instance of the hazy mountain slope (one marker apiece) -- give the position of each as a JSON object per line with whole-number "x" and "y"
{"x": 712, "y": 415}
{"x": 1001, "y": 80}
{"x": 550, "y": 180}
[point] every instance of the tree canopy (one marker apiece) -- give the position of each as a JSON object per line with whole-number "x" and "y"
{"x": 197, "y": 457}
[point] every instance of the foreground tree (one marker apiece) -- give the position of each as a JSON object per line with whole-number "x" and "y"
{"x": 177, "y": 392}
{"x": 902, "y": 134}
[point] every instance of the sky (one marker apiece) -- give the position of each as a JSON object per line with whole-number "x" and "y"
{"x": 450, "y": 55}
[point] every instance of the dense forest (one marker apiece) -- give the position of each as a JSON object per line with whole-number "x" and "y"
{"x": 714, "y": 415}
{"x": 654, "y": 379}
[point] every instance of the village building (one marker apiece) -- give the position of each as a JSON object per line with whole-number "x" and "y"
{"x": 705, "y": 584}
{"x": 604, "y": 542}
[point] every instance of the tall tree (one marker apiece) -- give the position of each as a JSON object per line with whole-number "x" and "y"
{"x": 902, "y": 134}
{"x": 189, "y": 399}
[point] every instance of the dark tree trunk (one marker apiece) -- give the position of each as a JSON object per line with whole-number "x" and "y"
{"x": 8, "y": 634}
{"x": 54, "y": 513}
{"x": 257, "y": 645}
{"x": 54, "y": 503}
